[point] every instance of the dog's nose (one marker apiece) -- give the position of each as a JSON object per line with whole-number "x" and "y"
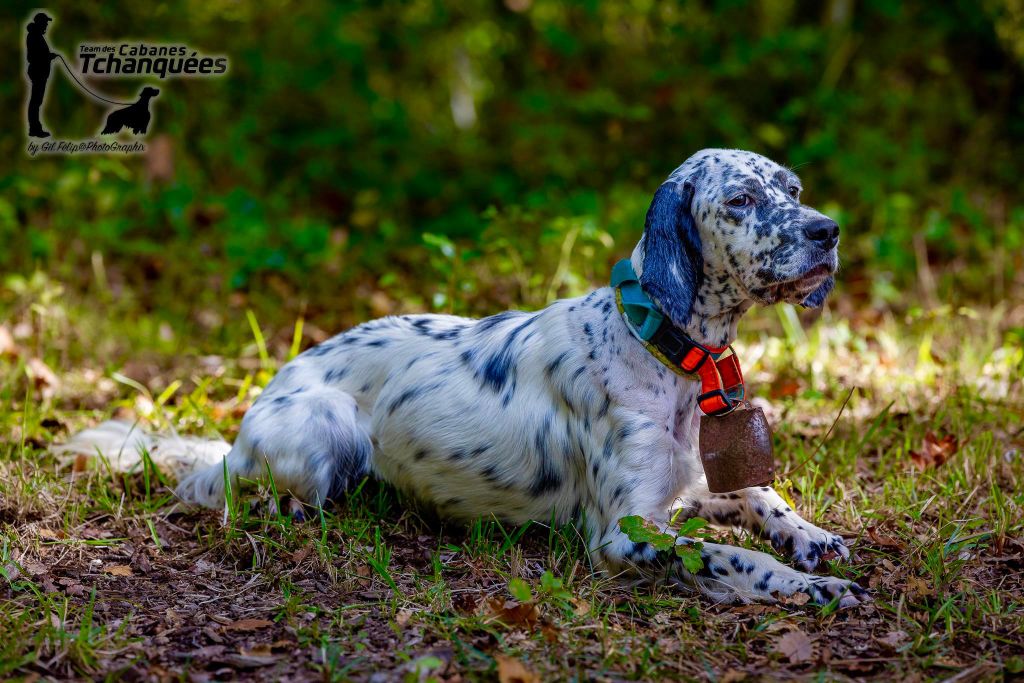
{"x": 824, "y": 232}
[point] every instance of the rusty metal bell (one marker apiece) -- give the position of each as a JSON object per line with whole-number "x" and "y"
{"x": 736, "y": 450}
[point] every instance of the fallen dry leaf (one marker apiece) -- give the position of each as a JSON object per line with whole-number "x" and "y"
{"x": 513, "y": 613}
{"x": 204, "y": 567}
{"x": 794, "y": 599}
{"x": 935, "y": 451}
{"x": 893, "y": 639}
{"x": 248, "y": 625}
{"x": 258, "y": 650}
{"x": 511, "y": 670}
{"x": 299, "y": 555}
{"x": 118, "y": 570}
{"x": 919, "y": 588}
{"x": 753, "y": 609}
{"x": 882, "y": 541}
{"x": 783, "y": 388}
{"x": 779, "y": 626}
{"x": 795, "y": 646}
{"x": 141, "y": 560}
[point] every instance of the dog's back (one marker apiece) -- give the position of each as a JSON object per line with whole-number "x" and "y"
{"x": 414, "y": 399}
{"x": 135, "y": 116}
{"x": 115, "y": 122}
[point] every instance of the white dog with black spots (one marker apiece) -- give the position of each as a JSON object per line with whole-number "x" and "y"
{"x": 562, "y": 414}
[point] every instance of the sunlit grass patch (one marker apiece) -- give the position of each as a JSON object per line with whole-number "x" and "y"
{"x": 105, "y": 573}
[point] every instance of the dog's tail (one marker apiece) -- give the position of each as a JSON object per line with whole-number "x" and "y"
{"x": 313, "y": 444}
{"x": 110, "y": 127}
{"x": 122, "y": 444}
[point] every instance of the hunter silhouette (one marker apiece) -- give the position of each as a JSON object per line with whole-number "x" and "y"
{"x": 39, "y": 58}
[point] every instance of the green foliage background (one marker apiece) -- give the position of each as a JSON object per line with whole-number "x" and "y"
{"x": 476, "y": 154}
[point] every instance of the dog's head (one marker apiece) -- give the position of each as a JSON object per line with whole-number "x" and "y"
{"x": 727, "y": 229}
{"x": 148, "y": 93}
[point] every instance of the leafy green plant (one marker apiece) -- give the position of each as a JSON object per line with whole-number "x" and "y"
{"x": 520, "y": 590}
{"x": 640, "y": 530}
{"x": 550, "y": 589}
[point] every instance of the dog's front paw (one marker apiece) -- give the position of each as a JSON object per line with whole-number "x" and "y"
{"x": 806, "y": 544}
{"x": 738, "y": 574}
{"x": 824, "y": 589}
{"x": 781, "y": 583}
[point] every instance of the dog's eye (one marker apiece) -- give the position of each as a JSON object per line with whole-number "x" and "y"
{"x": 794, "y": 191}
{"x": 741, "y": 200}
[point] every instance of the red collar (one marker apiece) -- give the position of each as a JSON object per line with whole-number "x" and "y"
{"x": 721, "y": 380}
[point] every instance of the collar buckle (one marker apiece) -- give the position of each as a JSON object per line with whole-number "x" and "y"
{"x": 681, "y": 350}
{"x": 716, "y": 403}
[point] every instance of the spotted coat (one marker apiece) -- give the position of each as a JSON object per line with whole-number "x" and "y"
{"x": 561, "y": 414}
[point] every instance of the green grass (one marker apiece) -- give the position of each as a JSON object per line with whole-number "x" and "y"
{"x": 379, "y": 584}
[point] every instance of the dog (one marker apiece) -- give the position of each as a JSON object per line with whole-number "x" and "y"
{"x": 562, "y": 414}
{"x": 135, "y": 116}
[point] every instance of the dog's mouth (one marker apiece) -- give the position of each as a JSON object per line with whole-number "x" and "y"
{"x": 795, "y": 290}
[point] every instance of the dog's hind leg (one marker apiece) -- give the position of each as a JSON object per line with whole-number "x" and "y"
{"x": 314, "y": 441}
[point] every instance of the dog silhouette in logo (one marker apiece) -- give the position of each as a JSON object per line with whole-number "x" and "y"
{"x": 135, "y": 116}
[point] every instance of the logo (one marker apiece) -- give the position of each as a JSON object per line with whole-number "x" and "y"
{"x": 127, "y": 122}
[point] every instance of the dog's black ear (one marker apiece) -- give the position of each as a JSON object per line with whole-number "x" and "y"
{"x": 817, "y": 298}
{"x": 673, "y": 263}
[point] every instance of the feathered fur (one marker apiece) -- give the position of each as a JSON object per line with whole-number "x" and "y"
{"x": 561, "y": 414}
